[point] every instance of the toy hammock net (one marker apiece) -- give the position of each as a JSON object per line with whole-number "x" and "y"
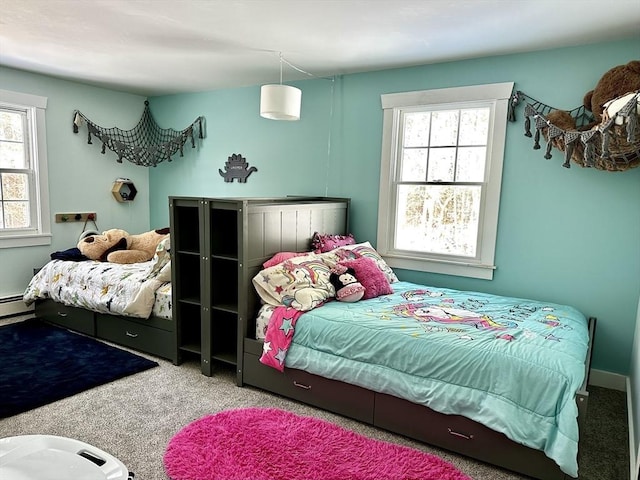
{"x": 146, "y": 144}
{"x": 612, "y": 145}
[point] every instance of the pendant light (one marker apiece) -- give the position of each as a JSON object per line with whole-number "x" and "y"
{"x": 280, "y": 102}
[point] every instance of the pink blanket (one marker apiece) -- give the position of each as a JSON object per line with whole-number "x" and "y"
{"x": 278, "y": 336}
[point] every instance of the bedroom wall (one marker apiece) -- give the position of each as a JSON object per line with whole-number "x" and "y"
{"x": 80, "y": 177}
{"x": 565, "y": 235}
{"x": 633, "y": 395}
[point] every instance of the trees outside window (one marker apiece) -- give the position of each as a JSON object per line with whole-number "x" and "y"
{"x": 441, "y": 170}
{"x": 24, "y": 210}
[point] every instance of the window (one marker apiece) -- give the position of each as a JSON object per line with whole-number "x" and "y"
{"x": 24, "y": 203}
{"x": 441, "y": 170}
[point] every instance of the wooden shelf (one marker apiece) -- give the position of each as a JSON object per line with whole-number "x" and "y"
{"x": 218, "y": 246}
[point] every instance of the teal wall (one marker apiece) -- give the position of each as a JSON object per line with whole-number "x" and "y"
{"x": 565, "y": 235}
{"x": 634, "y": 394}
{"x": 80, "y": 177}
{"x": 570, "y": 236}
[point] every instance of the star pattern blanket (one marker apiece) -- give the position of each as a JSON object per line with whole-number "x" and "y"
{"x": 278, "y": 336}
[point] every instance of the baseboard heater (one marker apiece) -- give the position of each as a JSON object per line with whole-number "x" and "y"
{"x": 12, "y": 306}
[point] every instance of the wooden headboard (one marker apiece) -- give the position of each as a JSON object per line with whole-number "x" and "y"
{"x": 284, "y": 225}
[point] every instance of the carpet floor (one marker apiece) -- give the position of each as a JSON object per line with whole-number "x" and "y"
{"x": 136, "y": 417}
{"x": 40, "y": 364}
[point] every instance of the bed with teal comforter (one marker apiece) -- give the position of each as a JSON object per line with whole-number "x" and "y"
{"x": 511, "y": 364}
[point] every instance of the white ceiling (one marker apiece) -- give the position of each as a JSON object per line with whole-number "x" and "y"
{"x": 155, "y": 47}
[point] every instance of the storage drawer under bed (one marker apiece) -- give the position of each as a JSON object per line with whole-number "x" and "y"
{"x": 331, "y": 395}
{"x": 73, "y": 318}
{"x": 137, "y": 335}
{"x": 462, "y": 435}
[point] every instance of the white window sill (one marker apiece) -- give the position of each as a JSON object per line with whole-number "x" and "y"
{"x": 31, "y": 240}
{"x": 445, "y": 267}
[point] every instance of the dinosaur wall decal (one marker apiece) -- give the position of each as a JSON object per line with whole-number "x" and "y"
{"x": 236, "y": 167}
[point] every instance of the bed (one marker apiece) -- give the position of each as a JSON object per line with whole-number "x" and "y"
{"x": 128, "y": 304}
{"x": 499, "y": 379}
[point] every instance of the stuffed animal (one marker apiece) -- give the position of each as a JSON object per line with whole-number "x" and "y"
{"x": 119, "y": 246}
{"x": 614, "y": 83}
{"x": 347, "y": 286}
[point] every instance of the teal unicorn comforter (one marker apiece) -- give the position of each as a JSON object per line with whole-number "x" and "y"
{"x": 511, "y": 364}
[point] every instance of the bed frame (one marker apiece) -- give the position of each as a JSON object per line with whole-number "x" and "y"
{"x": 152, "y": 335}
{"x": 452, "y": 432}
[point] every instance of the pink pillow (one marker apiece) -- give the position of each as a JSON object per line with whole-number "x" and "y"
{"x": 370, "y": 276}
{"x": 325, "y": 242}
{"x": 281, "y": 257}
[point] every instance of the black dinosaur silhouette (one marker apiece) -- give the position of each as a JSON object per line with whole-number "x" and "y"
{"x": 236, "y": 167}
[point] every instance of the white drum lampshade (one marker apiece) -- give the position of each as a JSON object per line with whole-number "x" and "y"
{"x": 280, "y": 102}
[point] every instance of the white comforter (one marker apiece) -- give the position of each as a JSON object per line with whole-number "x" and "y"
{"x": 99, "y": 286}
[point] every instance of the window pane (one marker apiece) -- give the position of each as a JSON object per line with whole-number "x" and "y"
{"x": 11, "y": 126}
{"x": 438, "y": 219}
{"x": 442, "y": 162}
{"x": 444, "y": 128}
{"x": 16, "y": 214}
{"x": 474, "y": 126}
{"x": 416, "y": 129}
{"x": 471, "y": 161}
{"x": 15, "y": 186}
{"x": 414, "y": 165}
{"x": 12, "y": 153}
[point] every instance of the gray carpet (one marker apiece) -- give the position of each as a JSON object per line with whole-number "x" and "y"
{"x": 134, "y": 418}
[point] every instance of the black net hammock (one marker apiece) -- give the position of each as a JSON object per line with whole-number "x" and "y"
{"x": 146, "y": 144}
{"x": 612, "y": 145}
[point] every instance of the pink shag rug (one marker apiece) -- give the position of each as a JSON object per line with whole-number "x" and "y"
{"x": 272, "y": 444}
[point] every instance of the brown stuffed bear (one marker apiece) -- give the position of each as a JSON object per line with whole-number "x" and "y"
{"x": 118, "y": 246}
{"x": 613, "y": 84}
{"x": 616, "y": 82}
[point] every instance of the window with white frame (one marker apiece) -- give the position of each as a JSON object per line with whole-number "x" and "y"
{"x": 24, "y": 202}
{"x": 441, "y": 170}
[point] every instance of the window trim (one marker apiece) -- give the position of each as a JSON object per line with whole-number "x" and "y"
{"x": 41, "y": 234}
{"x": 484, "y": 266}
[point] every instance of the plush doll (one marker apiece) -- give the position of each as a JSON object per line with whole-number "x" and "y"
{"x": 347, "y": 286}
{"x": 613, "y": 84}
{"x": 119, "y": 246}
{"x": 616, "y": 82}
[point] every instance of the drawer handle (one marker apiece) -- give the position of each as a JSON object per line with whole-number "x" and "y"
{"x": 132, "y": 335}
{"x": 62, "y": 314}
{"x": 461, "y": 435}
{"x": 302, "y": 385}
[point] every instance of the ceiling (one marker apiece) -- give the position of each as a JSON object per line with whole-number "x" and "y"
{"x": 156, "y": 47}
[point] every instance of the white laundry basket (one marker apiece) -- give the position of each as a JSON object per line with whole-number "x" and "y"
{"x": 47, "y": 457}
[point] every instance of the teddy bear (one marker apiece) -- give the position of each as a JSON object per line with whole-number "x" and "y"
{"x": 119, "y": 246}
{"x": 615, "y": 83}
{"x": 347, "y": 286}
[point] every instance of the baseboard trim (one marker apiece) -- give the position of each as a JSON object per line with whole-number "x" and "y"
{"x": 613, "y": 381}
{"x": 633, "y": 455}
{"x": 12, "y": 306}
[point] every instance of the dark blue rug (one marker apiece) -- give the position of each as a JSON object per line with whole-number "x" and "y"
{"x": 40, "y": 363}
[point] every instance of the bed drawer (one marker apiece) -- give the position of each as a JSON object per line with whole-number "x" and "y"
{"x": 73, "y": 318}
{"x": 135, "y": 335}
{"x": 338, "y": 397}
{"x": 462, "y": 435}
